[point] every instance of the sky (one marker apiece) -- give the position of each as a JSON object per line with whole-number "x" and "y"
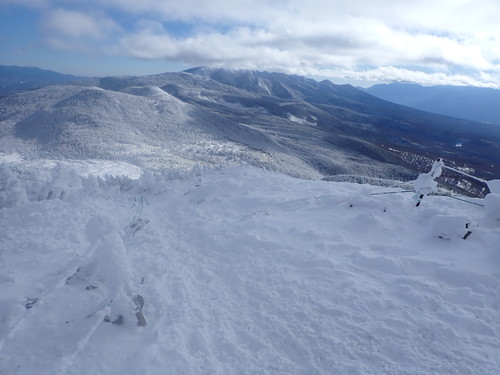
{"x": 430, "y": 42}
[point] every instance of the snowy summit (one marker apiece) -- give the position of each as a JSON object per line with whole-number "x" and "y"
{"x": 242, "y": 271}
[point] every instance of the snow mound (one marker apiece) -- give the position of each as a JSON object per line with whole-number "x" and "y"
{"x": 241, "y": 271}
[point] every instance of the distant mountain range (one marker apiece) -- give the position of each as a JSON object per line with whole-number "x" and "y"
{"x": 280, "y": 122}
{"x": 14, "y": 78}
{"x": 471, "y": 103}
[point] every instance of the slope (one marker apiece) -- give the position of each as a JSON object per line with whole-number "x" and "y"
{"x": 345, "y": 118}
{"x": 242, "y": 272}
{"x": 143, "y": 125}
{"x": 358, "y": 116}
{"x": 148, "y": 126}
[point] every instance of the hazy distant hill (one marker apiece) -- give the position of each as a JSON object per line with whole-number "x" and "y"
{"x": 280, "y": 122}
{"x": 13, "y": 78}
{"x": 471, "y": 103}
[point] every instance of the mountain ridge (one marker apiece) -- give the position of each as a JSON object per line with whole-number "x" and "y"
{"x": 15, "y": 78}
{"x": 470, "y": 103}
{"x": 207, "y": 116}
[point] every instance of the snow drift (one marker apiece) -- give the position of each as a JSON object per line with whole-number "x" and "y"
{"x": 241, "y": 271}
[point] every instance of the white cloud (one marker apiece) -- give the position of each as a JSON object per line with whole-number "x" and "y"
{"x": 395, "y": 74}
{"x": 320, "y": 48}
{"x": 240, "y": 11}
{"x": 74, "y": 24}
{"x": 444, "y": 40}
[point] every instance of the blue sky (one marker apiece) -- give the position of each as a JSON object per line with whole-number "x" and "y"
{"x": 359, "y": 41}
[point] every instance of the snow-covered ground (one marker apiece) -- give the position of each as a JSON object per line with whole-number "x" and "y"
{"x": 242, "y": 271}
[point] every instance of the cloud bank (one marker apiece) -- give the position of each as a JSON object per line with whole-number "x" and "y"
{"x": 428, "y": 42}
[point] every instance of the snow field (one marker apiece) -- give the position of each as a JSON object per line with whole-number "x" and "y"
{"x": 242, "y": 272}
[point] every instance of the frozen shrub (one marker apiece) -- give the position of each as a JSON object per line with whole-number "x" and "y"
{"x": 12, "y": 192}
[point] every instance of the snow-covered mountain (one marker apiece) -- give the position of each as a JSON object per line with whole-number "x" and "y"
{"x": 219, "y": 117}
{"x": 147, "y": 126}
{"x": 139, "y": 236}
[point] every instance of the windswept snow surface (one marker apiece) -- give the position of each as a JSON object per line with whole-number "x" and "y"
{"x": 242, "y": 271}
